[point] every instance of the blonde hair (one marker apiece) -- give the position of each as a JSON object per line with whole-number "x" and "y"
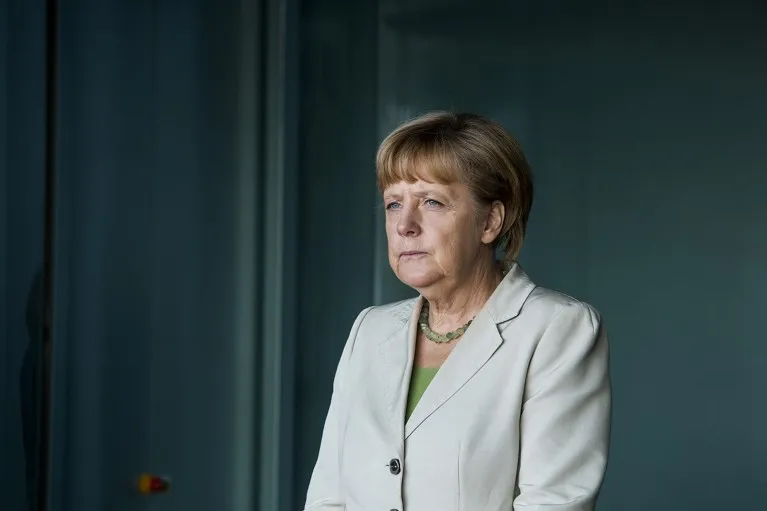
{"x": 466, "y": 148}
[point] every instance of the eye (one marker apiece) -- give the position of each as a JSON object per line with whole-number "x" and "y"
{"x": 433, "y": 203}
{"x": 392, "y": 205}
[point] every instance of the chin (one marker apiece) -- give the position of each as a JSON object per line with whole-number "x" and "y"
{"x": 417, "y": 278}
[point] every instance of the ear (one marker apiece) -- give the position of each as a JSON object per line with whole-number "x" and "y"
{"x": 496, "y": 213}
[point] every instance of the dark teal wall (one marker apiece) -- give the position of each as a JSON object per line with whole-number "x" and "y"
{"x": 218, "y": 227}
{"x": 158, "y": 250}
{"x": 644, "y": 129}
{"x": 676, "y": 223}
{"x": 22, "y": 171}
{"x": 157, "y": 203}
{"x": 154, "y": 333}
{"x": 337, "y": 197}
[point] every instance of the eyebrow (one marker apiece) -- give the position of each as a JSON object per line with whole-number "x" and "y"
{"x": 418, "y": 193}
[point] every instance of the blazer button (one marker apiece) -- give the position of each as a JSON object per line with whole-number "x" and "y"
{"x": 395, "y": 467}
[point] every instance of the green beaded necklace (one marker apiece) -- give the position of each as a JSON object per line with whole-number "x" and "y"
{"x": 423, "y": 323}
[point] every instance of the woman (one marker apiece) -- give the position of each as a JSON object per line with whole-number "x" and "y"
{"x": 486, "y": 392}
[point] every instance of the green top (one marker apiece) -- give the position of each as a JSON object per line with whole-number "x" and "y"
{"x": 419, "y": 381}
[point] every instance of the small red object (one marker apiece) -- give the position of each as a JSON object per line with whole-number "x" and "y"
{"x": 149, "y": 484}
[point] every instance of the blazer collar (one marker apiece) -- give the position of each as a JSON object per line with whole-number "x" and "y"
{"x": 510, "y": 295}
{"x": 478, "y": 344}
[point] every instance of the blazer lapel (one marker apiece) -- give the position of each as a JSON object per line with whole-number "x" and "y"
{"x": 396, "y": 352}
{"x": 476, "y": 347}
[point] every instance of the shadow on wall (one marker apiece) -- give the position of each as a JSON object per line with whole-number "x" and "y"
{"x": 31, "y": 388}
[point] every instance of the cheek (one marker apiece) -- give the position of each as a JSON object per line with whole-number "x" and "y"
{"x": 459, "y": 238}
{"x": 390, "y": 229}
{"x": 391, "y": 236}
{"x": 448, "y": 239}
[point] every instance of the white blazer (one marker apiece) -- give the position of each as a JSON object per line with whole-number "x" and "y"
{"x": 517, "y": 418}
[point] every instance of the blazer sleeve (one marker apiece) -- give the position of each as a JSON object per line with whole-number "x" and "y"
{"x": 324, "y": 491}
{"x": 565, "y": 420}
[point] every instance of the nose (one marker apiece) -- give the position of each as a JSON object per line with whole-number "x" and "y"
{"x": 408, "y": 222}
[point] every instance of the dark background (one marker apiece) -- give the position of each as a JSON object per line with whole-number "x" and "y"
{"x": 216, "y": 228}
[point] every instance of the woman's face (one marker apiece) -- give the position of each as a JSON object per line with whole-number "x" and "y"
{"x": 435, "y": 231}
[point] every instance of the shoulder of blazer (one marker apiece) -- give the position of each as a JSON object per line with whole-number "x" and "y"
{"x": 381, "y": 321}
{"x": 549, "y": 303}
{"x": 396, "y": 313}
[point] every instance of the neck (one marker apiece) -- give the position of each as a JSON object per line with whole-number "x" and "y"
{"x": 453, "y": 307}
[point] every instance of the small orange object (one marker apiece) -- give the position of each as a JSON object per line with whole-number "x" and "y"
{"x": 149, "y": 484}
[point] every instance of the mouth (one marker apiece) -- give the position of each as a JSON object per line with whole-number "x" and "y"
{"x": 411, "y": 253}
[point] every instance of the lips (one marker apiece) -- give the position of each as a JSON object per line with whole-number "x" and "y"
{"x": 410, "y": 253}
